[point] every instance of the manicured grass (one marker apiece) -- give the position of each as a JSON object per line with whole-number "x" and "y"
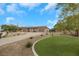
{"x": 58, "y": 46}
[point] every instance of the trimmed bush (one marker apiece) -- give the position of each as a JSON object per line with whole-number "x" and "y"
{"x": 31, "y": 37}
{"x": 28, "y": 45}
{"x": 18, "y": 33}
{"x": 41, "y": 35}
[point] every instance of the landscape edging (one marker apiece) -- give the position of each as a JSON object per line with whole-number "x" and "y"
{"x": 33, "y": 49}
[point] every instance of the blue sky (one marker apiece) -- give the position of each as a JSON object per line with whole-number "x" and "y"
{"x": 29, "y": 14}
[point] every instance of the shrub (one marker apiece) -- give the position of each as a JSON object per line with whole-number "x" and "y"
{"x": 41, "y": 35}
{"x": 18, "y": 33}
{"x": 31, "y": 37}
{"x": 14, "y": 35}
{"x": 28, "y": 45}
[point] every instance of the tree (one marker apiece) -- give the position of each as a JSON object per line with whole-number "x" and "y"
{"x": 10, "y": 28}
{"x": 69, "y": 14}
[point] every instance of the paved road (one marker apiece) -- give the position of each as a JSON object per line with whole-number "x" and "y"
{"x": 7, "y": 40}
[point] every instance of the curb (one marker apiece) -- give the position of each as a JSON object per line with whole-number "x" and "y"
{"x": 33, "y": 49}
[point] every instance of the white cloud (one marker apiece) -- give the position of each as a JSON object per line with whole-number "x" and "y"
{"x": 49, "y": 27}
{"x": 51, "y": 23}
{"x": 1, "y": 11}
{"x": 9, "y": 19}
{"x": 21, "y": 12}
{"x": 48, "y": 7}
{"x": 11, "y": 8}
{"x": 29, "y": 5}
{"x": 14, "y": 7}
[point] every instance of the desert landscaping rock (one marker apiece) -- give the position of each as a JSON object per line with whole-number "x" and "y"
{"x": 15, "y": 46}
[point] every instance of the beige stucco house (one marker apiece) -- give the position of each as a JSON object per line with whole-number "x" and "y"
{"x": 35, "y": 29}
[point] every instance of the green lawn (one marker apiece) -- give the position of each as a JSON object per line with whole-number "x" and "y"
{"x": 58, "y": 46}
